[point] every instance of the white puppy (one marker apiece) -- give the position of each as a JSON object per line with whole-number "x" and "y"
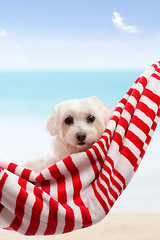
{"x": 75, "y": 126}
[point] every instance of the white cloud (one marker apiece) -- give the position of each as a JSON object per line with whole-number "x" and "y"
{"x": 17, "y": 46}
{"x": 3, "y": 33}
{"x": 118, "y": 22}
{"x": 111, "y": 54}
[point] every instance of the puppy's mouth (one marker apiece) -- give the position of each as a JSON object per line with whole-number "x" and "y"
{"x": 84, "y": 143}
{"x": 81, "y": 143}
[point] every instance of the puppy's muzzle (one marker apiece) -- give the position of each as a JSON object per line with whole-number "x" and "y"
{"x": 81, "y": 136}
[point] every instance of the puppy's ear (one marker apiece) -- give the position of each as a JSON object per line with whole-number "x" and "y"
{"x": 106, "y": 112}
{"x": 54, "y": 121}
{"x": 50, "y": 125}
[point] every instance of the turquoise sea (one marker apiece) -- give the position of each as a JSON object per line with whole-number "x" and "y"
{"x": 26, "y": 100}
{"x": 37, "y": 92}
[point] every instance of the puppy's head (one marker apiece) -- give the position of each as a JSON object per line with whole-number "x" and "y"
{"x": 80, "y": 123}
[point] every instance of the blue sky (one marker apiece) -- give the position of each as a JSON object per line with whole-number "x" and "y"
{"x": 91, "y": 34}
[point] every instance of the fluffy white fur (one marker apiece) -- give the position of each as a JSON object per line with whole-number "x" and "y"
{"x": 75, "y": 126}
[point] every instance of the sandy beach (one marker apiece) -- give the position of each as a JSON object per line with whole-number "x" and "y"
{"x": 113, "y": 227}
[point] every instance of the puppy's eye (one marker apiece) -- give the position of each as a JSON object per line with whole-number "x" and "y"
{"x": 90, "y": 119}
{"x": 69, "y": 120}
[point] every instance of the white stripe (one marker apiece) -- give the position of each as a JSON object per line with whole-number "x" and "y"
{"x": 60, "y": 219}
{"x": 132, "y": 100}
{"x": 139, "y": 87}
{"x": 96, "y": 160}
{"x": 44, "y": 214}
{"x": 115, "y": 178}
{"x": 120, "y": 104}
{"x": 9, "y": 197}
{"x": 103, "y": 183}
{"x": 85, "y": 169}
{"x": 102, "y": 195}
{"x": 27, "y": 208}
{"x": 105, "y": 144}
{"x": 70, "y": 192}
{"x": 127, "y": 143}
{"x": 148, "y": 72}
{"x": 91, "y": 202}
{"x": 154, "y": 85}
{"x": 125, "y": 168}
{"x": 144, "y": 117}
{"x": 126, "y": 115}
{"x": 121, "y": 131}
{"x": 138, "y": 132}
{"x": 6, "y": 218}
{"x": 153, "y": 106}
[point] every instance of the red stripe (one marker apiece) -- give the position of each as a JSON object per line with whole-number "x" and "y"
{"x": 100, "y": 199}
{"x": 11, "y": 167}
{"x": 105, "y": 192}
{"x": 2, "y": 183}
{"x": 108, "y": 183}
{"x": 98, "y": 155}
{"x": 158, "y": 70}
{"x": 156, "y": 76}
{"x": 128, "y": 93}
{"x": 54, "y": 171}
{"x": 101, "y": 145}
{"x": 61, "y": 190}
{"x": 152, "y": 96}
{"x": 146, "y": 110}
{"x": 77, "y": 186}
{"x": 36, "y": 212}
{"x": 93, "y": 163}
{"x": 117, "y": 138}
{"x": 111, "y": 179}
{"x": 118, "y": 109}
{"x": 137, "y": 80}
{"x": 143, "y": 80}
{"x": 69, "y": 219}
{"x": 115, "y": 118}
{"x": 123, "y": 101}
{"x": 123, "y": 123}
{"x": 140, "y": 124}
{"x": 129, "y": 108}
{"x": 52, "y": 217}
{"x": 154, "y": 125}
{"x": 116, "y": 173}
{"x": 135, "y": 139}
{"x": 148, "y": 139}
{"x": 126, "y": 152}
{"x": 26, "y": 173}
{"x": 136, "y": 94}
{"x": 1, "y": 207}
{"x": 40, "y": 178}
{"x": 154, "y": 65}
{"x": 142, "y": 153}
{"x": 46, "y": 186}
{"x": 105, "y": 138}
{"x": 61, "y": 185}
{"x": 20, "y": 205}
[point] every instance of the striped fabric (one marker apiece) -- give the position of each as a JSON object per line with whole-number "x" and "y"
{"x": 80, "y": 190}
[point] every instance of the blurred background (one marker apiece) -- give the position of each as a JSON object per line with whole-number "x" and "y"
{"x": 52, "y": 51}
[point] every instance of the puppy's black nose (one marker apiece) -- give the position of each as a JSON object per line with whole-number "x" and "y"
{"x": 81, "y": 136}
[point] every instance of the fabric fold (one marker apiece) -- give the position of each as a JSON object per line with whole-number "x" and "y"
{"x": 80, "y": 190}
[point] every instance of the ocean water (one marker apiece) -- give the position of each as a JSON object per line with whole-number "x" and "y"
{"x": 27, "y": 98}
{"x": 37, "y": 92}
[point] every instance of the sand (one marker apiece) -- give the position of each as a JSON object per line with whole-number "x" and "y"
{"x": 113, "y": 227}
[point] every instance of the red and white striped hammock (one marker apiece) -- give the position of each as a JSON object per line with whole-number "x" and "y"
{"x": 80, "y": 190}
